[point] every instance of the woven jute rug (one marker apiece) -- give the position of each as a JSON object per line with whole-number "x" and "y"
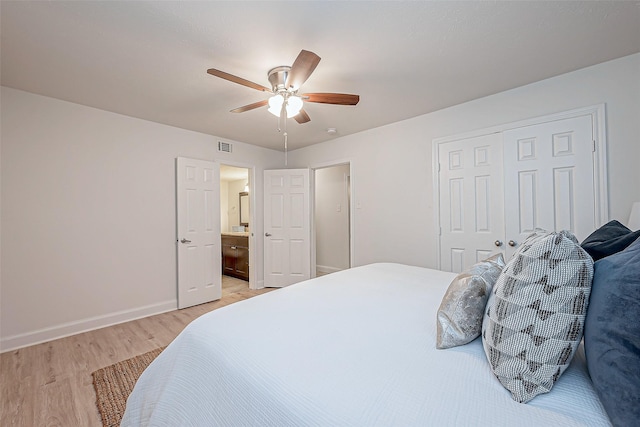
{"x": 115, "y": 382}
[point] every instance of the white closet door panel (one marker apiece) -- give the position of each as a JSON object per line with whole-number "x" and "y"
{"x": 526, "y": 201}
{"x": 483, "y": 254}
{"x": 483, "y": 203}
{"x": 456, "y": 200}
{"x": 564, "y": 197}
{"x": 549, "y": 178}
{"x": 470, "y": 196}
{"x": 457, "y": 261}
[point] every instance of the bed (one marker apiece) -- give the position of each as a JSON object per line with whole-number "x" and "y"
{"x": 354, "y": 348}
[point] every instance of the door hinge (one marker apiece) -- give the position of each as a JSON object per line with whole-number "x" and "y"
{"x": 594, "y": 145}
{"x": 438, "y": 166}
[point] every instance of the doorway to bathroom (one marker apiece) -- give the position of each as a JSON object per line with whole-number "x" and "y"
{"x": 235, "y": 225}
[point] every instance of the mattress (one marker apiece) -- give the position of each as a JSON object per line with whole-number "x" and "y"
{"x": 354, "y": 348}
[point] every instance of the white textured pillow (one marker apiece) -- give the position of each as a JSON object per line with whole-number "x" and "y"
{"x": 535, "y": 316}
{"x": 459, "y": 318}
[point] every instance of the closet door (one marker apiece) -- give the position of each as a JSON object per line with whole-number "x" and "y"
{"x": 549, "y": 179}
{"x": 471, "y": 200}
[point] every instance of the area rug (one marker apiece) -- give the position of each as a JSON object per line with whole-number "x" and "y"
{"x": 115, "y": 382}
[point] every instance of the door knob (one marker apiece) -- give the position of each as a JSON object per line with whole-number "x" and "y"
{"x": 498, "y": 243}
{"x": 267, "y": 234}
{"x": 185, "y": 241}
{"x": 512, "y": 243}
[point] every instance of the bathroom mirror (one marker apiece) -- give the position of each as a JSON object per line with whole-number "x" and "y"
{"x": 244, "y": 209}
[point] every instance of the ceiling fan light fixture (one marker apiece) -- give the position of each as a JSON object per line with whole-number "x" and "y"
{"x": 293, "y": 105}
{"x": 275, "y": 104}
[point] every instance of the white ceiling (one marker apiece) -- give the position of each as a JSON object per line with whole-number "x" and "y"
{"x": 149, "y": 59}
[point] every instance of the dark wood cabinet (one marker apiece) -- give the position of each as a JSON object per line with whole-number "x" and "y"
{"x": 235, "y": 256}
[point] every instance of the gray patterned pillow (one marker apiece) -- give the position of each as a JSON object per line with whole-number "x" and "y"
{"x": 459, "y": 318}
{"x": 535, "y": 316}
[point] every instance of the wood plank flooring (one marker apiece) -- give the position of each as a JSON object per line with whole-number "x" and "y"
{"x": 231, "y": 285}
{"x": 50, "y": 384}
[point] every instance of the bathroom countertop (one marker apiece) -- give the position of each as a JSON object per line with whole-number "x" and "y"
{"x": 236, "y": 233}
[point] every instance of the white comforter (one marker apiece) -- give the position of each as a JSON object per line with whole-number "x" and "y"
{"x": 355, "y": 348}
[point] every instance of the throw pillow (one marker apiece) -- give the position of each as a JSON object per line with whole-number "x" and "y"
{"x": 609, "y": 239}
{"x": 535, "y": 315}
{"x": 459, "y": 318}
{"x": 612, "y": 335}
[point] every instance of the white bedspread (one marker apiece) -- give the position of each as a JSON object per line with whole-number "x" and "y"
{"x": 354, "y": 348}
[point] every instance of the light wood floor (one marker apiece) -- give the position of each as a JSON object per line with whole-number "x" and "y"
{"x": 231, "y": 285}
{"x": 50, "y": 384}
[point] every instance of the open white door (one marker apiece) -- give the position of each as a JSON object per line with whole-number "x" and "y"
{"x": 198, "y": 229}
{"x": 287, "y": 242}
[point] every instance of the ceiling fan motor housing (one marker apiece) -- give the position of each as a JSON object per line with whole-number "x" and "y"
{"x": 278, "y": 78}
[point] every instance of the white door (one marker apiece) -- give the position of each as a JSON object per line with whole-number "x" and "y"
{"x": 549, "y": 179}
{"x": 198, "y": 229}
{"x": 287, "y": 248}
{"x": 470, "y": 195}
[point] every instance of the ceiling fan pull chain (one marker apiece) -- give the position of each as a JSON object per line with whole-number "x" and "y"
{"x": 283, "y": 116}
{"x": 285, "y": 149}
{"x": 283, "y": 109}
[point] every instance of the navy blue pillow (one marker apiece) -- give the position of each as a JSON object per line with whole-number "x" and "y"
{"x": 612, "y": 334}
{"x": 608, "y": 240}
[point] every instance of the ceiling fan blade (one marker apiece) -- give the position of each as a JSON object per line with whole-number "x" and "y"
{"x": 236, "y": 79}
{"x": 332, "y": 98}
{"x": 302, "y": 117}
{"x": 250, "y": 106}
{"x": 302, "y": 68}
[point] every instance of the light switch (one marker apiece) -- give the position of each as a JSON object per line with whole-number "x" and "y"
{"x": 339, "y": 208}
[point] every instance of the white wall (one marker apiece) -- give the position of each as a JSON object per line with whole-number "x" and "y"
{"x": 88, "y": 215}
{"x": 397, "y": 223}
{"x": 235, "y": 188}
{"x": 230, "y": 203}
{"x": 331, "y": 218}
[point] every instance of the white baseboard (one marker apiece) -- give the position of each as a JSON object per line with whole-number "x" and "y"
{"x": 15, "y": 342}
{"x": 326, "y": 269}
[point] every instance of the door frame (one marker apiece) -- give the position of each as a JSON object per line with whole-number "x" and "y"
{"x": 312, "y": 183}
{"x": 253, "y": 276}
{"x": 601, "y": 188}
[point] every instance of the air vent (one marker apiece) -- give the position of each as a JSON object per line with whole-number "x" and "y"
{"x": 225, "y": 147}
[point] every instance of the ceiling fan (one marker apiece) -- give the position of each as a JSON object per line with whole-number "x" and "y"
{"x": 285, "y": 83}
